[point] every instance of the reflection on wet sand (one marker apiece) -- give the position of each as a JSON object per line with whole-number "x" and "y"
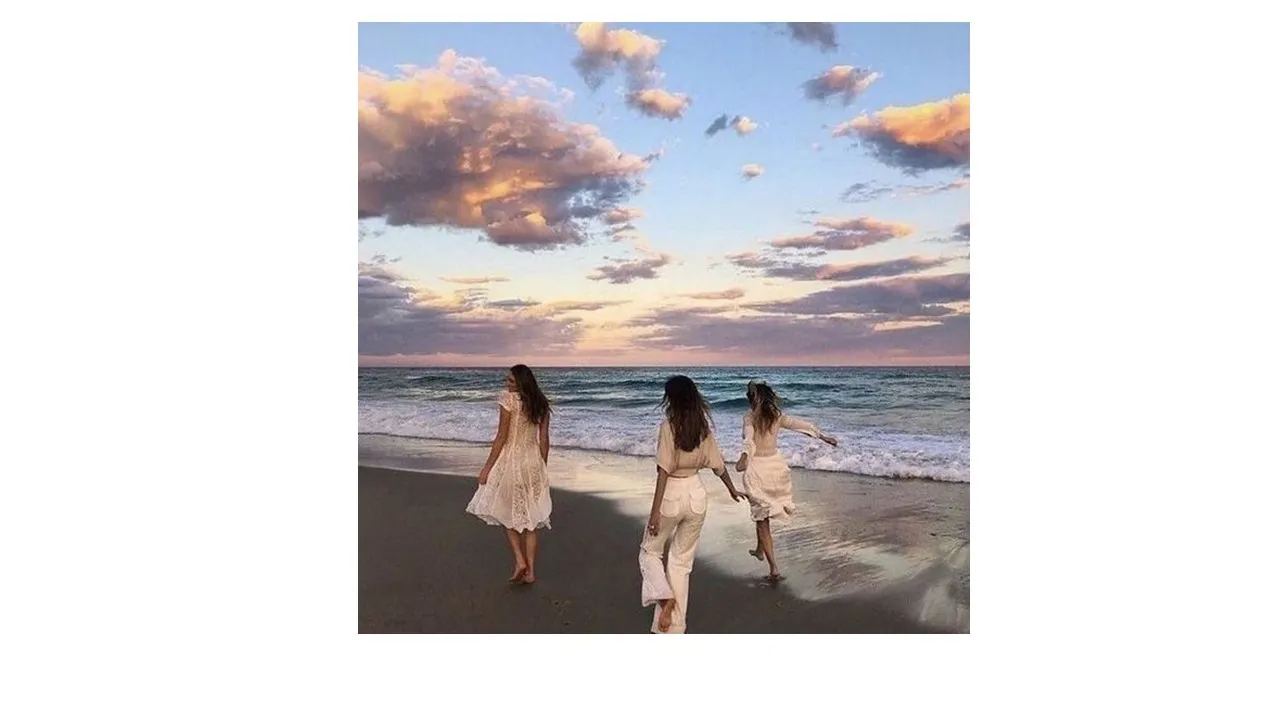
{"x": 904, "y": 542}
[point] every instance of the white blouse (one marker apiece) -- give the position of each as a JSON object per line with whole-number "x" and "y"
{"x": 678, "y": 463}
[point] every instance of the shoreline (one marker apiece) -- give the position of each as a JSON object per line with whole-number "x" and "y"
{"x": 674, "y": 370}
{"x": 898, "y": 548}
{"x": 485, "y": 444}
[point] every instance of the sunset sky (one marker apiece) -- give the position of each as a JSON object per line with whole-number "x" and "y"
{"x": 753, "y": 194}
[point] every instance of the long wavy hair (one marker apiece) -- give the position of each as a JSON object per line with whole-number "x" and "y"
{"x": 535, "y": 403}
{"x": 764, "y": 406}
{"x": 688, "y": 412}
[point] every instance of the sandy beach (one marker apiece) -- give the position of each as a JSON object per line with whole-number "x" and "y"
{"x": 865, "y": 555}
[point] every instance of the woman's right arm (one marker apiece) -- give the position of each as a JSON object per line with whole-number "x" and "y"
{"x": 666, "y": 463}
{"x": 499, "y": 440}
{"x": 544, "y": 437}
{"x": 655, "y": 511}
{"x": 748, "y": 443}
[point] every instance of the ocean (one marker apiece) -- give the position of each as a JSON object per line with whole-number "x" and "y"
{"x": 905, "y": 422}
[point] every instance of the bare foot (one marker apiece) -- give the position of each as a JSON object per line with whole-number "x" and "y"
{"x": 664, "y": 616}
{"x": 529, "y": 578}
{"x": 774, "y": 578}
{"x": 519, "y": 574}
{"x": 757, "y": 553}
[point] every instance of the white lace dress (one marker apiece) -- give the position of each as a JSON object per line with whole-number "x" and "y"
{"x": 517, "y": 494}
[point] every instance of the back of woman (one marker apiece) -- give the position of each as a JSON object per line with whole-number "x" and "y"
{"x": 524, "y": 432}
{"x": 514, "y": 491}
{"x": 768, "y": 478}
{"x": 762, "y": 441}
{"x": 685, "y": 445}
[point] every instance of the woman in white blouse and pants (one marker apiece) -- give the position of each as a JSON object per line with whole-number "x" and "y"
{"x": 685, "y": 445}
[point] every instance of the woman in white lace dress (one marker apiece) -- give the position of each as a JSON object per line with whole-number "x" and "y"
{"x": 685, "y": 445}
{"x": 514, "y": 492}
{"x": 768, "y": 478}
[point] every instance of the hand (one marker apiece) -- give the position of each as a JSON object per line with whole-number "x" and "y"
{"x": 653, "y": 525}
{"x": 737, "y": 495}
{"x": 829, "y": 440}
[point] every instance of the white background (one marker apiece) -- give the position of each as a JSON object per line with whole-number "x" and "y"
{"x": 179, "y": 504}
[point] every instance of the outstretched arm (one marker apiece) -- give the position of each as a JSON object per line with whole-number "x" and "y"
{"x": 801, "y": 425}
{"x": 499, "y": 441}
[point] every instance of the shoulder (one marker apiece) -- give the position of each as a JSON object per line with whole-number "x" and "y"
{"x": 666, "y": 433}
{"x": 666, "y": 439}
{"x": 508, "y": 399}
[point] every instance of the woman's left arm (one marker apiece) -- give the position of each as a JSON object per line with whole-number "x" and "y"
{"x": 728, "y": 484}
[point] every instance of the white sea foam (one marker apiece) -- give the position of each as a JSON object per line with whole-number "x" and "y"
{"x": 866, "y": 451}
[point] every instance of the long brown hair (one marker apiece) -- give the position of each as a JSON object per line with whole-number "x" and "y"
{"x": 764, "y": 406}
{"x": 536, "y": 405}
{"x": 688, "y": 412}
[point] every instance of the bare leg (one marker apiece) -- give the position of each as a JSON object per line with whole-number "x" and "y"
{"x": 530, "y": 553}
{"x": 758, "y": 553}
{"x": 664, "y": 616}
{"x": 517, "y": 551}
{"x": 655, "y": 589}
{"x": 765, "y": 538}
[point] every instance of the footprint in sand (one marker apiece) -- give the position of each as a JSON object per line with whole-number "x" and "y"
{"x": 560, "y": 605}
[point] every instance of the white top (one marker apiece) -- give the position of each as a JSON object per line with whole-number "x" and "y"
{"x": 678, "y": 463}
{"x": 757, "y": 444}
{"x": 522, "y": 430}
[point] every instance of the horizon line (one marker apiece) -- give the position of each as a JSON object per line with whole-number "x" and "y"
{"x": 669, "y": 366}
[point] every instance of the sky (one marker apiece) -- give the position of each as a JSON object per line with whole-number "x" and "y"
{"x": 663, "y": 194}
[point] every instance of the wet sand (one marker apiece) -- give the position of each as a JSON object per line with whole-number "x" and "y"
{"x": 866, "y": 555}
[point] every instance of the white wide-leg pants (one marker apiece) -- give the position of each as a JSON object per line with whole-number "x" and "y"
{"x": 683, "y": 510}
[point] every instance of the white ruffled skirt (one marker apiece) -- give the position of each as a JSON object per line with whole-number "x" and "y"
{"x": 768, "y": 483}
